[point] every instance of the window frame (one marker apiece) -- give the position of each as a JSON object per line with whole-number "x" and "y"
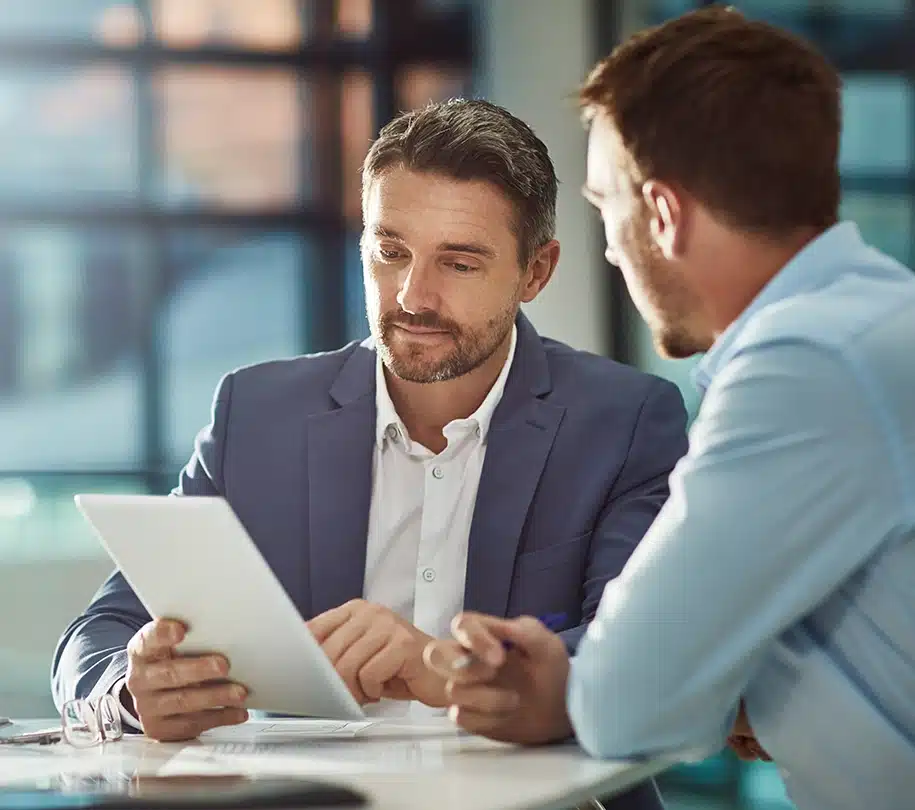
{"x": 404, "y": 33}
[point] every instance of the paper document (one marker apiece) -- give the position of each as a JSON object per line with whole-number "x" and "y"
{"x": 269, "y": 731}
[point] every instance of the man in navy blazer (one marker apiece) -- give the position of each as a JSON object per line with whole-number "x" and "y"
{"x": 455, "y": 460}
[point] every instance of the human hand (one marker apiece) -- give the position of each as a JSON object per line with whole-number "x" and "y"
{"x": 179, "y": 697}
{"x": 513, "y": 695}
{"x": 377, "y": 653}
{"x": 742, "y": 739}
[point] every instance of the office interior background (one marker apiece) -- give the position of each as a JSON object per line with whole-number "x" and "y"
{"x": 179, "y": 196}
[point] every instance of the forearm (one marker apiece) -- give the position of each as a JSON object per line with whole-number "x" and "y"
{"x": 649, "y": 703}
{"x": 91, "y": 655}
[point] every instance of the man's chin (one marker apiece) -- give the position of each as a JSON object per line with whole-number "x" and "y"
{"x": 418, "y": 367}
{"x": 676, "y": 344}
{"x": 423, "y": 375}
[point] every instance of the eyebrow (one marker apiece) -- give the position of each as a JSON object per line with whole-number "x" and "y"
{"x": 472, "y": 248}
{"x": 387, "y": 233}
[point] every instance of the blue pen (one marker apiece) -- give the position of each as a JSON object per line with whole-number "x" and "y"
{"x": 552, "y": 621}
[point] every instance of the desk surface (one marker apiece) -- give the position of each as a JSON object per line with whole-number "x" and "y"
{"x": 400, "y": 767}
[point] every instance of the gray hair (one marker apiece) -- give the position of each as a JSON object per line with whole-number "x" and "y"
{"x": 474, "y": 140}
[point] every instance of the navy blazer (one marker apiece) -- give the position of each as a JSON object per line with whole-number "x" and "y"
{"x": 576, "y": 467}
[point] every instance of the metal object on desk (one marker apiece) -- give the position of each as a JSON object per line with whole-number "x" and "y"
{"x": 82, "y": 725}
{"x": 85, "y": 724}
{"x": 29, "y": 733}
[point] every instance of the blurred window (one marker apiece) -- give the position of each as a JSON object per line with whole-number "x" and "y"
{"x": 180, "y": 196}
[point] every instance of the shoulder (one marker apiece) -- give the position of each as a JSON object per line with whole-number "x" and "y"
{"x": 583, "y": 377}
{"x": 849, "y": 339}
{"x": 852, "y": 313}
{"x": 306, "y": 378}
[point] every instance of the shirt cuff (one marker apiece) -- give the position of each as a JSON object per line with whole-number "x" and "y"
{"x": 127, "y": 719}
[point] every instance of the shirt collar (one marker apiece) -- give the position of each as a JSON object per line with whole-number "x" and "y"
{"x": 809, "y": 269}
{"x": 481, "y": 418}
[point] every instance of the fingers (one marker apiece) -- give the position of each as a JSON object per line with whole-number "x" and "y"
{"x": 156, "y": 639}
{"x": 490, "y": 700}
{"x": 488, "y": 637}
{"x": 485, "y": 724}
{"x": 323, "y": 626}
{"x": 191, "y": 701}
{"x": 188, "y": 726}
{"x": 354, "y": 634}
{"x": 449, "y": 660}
{"x": 480, "y": 635}
{"x": 175, "y": 697}
{"x": 743, "y": 747}
{"x": 174, "y": 673}
{"x": 344, "y": 637}
{"x": 351, "y": 664}
{"x": 526, "y": 633}
{"x": 386, "y": 664}
{"x": 742, "y": 726}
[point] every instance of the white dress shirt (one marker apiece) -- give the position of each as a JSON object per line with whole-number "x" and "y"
{"x": 420, "y": 515}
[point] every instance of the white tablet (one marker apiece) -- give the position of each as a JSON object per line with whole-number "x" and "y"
{"x": 189, "y": 558}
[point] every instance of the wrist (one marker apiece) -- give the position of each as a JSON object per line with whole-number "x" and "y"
{"x": 430, "y": 689}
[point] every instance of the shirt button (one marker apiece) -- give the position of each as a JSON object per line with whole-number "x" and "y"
{"x": 437, "y": 472}
{"x": 429, "y": 574}
{"x": 392, "y": 432}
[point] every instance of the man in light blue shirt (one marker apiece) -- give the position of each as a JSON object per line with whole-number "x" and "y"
{"x": 780, "y": 576}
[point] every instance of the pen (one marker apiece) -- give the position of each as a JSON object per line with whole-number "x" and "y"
{"x": 46, "y": 737}
{"x": 552, "y": 621}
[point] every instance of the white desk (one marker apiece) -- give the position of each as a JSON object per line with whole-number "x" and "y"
{"x": 398, "y": 767}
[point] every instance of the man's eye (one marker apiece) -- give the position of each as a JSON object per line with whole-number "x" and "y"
{"x": 388, "y": 254}
{"x": 461, "y": 267}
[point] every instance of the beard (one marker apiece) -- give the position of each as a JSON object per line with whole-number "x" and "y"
{"x": 667, "y": 304}
{"x": 420, "y": 363}
{"x": 675, "y": 341}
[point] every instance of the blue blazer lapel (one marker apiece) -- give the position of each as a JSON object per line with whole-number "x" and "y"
{"x": 340, "y": 445}
{"x": 520, "y": 438}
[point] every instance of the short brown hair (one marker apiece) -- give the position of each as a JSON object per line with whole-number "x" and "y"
{"x": 475, "y": 140}
{"x": 741, "y": 115}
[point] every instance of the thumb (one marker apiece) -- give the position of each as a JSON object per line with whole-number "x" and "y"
{"x": 527, "y": 634}
{"x": 489, "y": 636}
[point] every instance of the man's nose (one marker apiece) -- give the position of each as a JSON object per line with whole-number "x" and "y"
{"x": 417, "y": 290}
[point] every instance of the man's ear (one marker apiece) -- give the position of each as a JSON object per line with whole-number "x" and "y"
{"x": 667, "y": 218}
{"x": 540, "y": 270}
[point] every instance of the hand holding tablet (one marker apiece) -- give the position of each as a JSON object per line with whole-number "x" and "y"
{"x": 259, "y": 641}
{"x": 178, "y": 697}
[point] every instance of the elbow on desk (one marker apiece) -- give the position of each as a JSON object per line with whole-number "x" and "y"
{"x": 612, "y": 741}
{"x": 601, "y": 738}
{"x": 603, "y": 725}
{"x": 637, "y": 728}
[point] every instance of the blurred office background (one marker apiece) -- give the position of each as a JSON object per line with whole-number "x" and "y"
{"x": 179, "y": 195}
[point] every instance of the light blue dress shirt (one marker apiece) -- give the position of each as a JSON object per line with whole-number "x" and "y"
{"x": 783, "y": 566}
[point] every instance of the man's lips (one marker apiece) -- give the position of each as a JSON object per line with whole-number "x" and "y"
{"x": 421, "y": 330}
